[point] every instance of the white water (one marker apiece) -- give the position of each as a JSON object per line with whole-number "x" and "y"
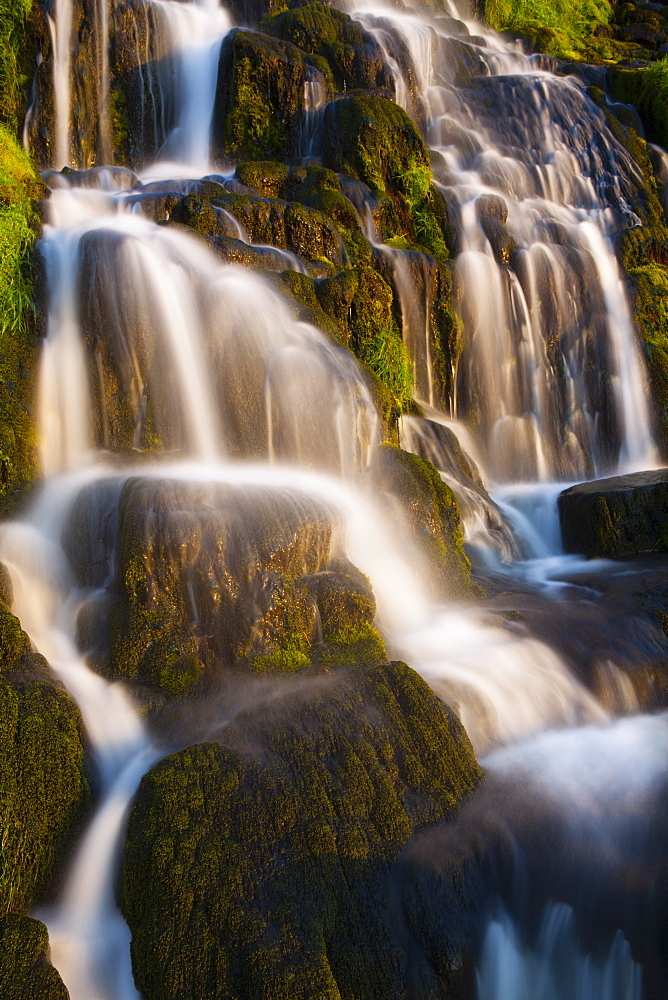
{"x": 555, "y": 968}
{"x": 529, "y": 327}
{"x": 61, "y": 40}
{"x": 195, "y": 32}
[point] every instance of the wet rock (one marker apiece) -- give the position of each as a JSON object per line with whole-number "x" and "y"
{"x": 492, "y": 204}
{"x": 260, "y": 97}
{"x": 621, "y": 516}
{"x": 431, "y": 512}
{"x": 501, "y": 242}
{"x": 354, "y": 58}
{"x": 213, "y": 578}
{"x": 261, "y": 860}
{"x": 42, "y": 774}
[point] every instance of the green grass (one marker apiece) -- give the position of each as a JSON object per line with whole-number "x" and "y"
{"x": 19, "y": 225}
{"x": 559, "y": 27}
{"x": 13, "y": 83}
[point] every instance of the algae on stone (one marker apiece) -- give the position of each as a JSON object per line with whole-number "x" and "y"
{"x": 258, "y": 865}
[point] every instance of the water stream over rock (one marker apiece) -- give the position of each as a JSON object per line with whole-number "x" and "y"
{"x": 264, "y": 430}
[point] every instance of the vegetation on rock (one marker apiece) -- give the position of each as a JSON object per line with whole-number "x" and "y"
{"x": 19, "y": 226}
{"x": 24, "y": 968}
{"x": 258, "y": 865}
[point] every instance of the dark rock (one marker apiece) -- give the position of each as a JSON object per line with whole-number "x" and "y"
{"x": 45, "y": 789}
{"x": 616, "y": 517}
{"x": 261, "y": 863}
{"x": 640, "y": 33}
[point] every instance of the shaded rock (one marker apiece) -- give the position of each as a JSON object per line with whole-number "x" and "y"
{"x": 259, "y": 863}
{"x": 45, "y": 789}
{"x": 616, "y": 517}
{"x": 24, "y": 962}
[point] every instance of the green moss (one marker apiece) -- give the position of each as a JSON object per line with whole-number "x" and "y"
{"x": 24, "y": 967}
{"x": 267, "y": 177}
{"x": 19, "y": 225}
{"x": 559, "y": 27}
{"x": 431, "y": 512}
{"x": 650, "y": 302}
{"x": 45, "y": 791}
{"x": 259, "y": 866}
{"x": 647, "y": 89}
{"x": 261, "y": 96}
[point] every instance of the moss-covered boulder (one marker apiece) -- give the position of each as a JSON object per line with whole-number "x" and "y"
{"x": 45, "y": 790}
{"x": 25, "y": 971}
{"x": 352, "y": 54}
{"x": 430, "y": 512}
{"x": 257, "y": 865}
{"x": 373, "y": 139}
{"x": 260, "y": 96}
{"x": 621, "y": 516}
{"x": 212, "y": 579}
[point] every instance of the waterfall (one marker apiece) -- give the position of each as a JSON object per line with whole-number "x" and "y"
{"x": 194, "y": 371}
{"x": 529, "y": 232}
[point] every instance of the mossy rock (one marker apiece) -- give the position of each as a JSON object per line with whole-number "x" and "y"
{"x": 213, "y": 580}
{"x": 373, "y": 139}
{"x": 645, "y": 87}
{"x": 260, "y": 97}
{"x": 431, "y": 514}
{"x": 258, "y": 865}
{"x": 42, "y": 774}
{"x": 353, "y": 56}
{"x": 25, "y": 971}
{"x": 650, "y": 309}
{"x": 288, "y": 225}
{"x": 622, "y": 516}
{"x": 346, "y": 612}
{"x": 20, "y": 190}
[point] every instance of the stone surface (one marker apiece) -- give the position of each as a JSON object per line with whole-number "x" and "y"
{"x": 258, "y": 865}
{"x": 616, "y": 517}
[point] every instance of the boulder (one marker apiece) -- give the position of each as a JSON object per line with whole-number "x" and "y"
{"x": 42, "y": 775}
{"x": 354, "y": 58}
{"x": 260, "y": 98}
{"x": 258, "y": 864}
{"x": 621, "y": 516}
{"x": 24, "y": 962}
{"x": 211, "y": 579}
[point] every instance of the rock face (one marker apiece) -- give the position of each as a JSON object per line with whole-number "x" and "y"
{"x": 615, "y": 517}
{"x": 257, "y": 865}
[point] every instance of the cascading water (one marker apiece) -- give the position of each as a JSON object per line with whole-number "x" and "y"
{"x": 206, "y": 360}
{"x": 530, "y": 231}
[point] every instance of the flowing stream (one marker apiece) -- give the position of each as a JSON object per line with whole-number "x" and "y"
{"x": 235, "y": 376}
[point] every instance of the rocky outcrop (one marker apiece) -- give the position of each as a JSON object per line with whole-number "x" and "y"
{"x": 622, "y": 516}
{"x": 259, "y": 863}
